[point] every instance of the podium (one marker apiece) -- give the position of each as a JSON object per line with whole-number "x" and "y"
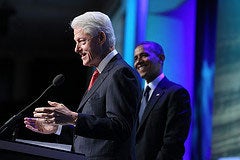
{"x": 21, "y": 151}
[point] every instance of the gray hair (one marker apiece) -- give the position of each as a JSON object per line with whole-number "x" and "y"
{"x": 94, "y": 22}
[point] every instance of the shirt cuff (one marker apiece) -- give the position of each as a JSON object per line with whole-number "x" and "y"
{"x": 59, "y": 130}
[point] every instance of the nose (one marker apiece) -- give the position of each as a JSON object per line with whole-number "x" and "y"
{"x": 77, "y": 48}
{"x": 137, "y": 59}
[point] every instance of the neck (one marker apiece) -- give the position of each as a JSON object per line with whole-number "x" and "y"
{"x": 150, "y": 79}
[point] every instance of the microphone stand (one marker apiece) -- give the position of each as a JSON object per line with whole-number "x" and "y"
{"x": 18, "y": 116}
{"x": 58, "y": 80}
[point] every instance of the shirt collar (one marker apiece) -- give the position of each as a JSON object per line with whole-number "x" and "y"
{"x": 155, "y": 82}
{"x": 105, "y": 60}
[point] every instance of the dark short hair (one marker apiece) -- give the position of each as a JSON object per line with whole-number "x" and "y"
{"x": 153, "y": 47}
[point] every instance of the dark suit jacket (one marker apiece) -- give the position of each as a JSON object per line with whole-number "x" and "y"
{"x": 108, "y": 112}
{"x": 165, "y": 123}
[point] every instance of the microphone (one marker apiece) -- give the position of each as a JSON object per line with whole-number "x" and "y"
{"x": 57, "y": 81}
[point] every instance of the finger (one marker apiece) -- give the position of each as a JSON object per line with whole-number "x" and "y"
{"x": 39, "y": 115}
{"x": 44, "y": 109}
{"x": 27, "y": 123}
{"x": 32, "y": 126}
{"x": 30, "y": 120}
{"x": 33, "y": 129}
{"x": 55, "y": 104}
{"x": 50, "y": 121}
{"x": 42, "y": 115}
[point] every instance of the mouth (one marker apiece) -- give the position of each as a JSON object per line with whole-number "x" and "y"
{"x": 83, "y": 55}
{"x": 141, "y": 68}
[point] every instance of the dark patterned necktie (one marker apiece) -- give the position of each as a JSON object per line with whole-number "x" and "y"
{"x": 144, "y": 102}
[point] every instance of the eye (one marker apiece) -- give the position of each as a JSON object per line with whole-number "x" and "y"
{"x": 135, "y": 58}
{"x": 144, "y": 55}
{"x": 82, "y": 41}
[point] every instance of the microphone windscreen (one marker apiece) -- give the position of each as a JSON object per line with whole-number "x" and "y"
{"x": 58, "y": 80}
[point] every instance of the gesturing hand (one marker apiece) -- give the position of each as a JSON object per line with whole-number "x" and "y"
{"x": 56, "y": 114}
{"x": 39, "y": 125}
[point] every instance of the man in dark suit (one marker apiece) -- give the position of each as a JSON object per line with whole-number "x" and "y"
{"x": 104, "y": 122}
{"x": 165, "y": 112}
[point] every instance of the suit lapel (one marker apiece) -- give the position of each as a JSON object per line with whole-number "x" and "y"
{"x": 156, "y": 96}
{"x": 151, "y": 103}
{"x": 98, "y": 82}
{"x": 96, "y": 85}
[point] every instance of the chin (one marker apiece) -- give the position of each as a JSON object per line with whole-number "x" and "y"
{"x": 86, "y": 64}
{"x": 143, "y": 75}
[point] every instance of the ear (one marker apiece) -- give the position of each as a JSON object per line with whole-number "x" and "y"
{"x": 101, "y": 37}
{"x": 162, "y": 58}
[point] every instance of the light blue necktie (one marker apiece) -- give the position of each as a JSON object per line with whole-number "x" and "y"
{"x": 144, "y": 102}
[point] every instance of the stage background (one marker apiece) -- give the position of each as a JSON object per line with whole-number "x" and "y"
{"x": 201, "y": 39}
{"x": 226, "y": 112}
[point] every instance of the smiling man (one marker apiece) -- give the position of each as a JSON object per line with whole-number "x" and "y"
{"x": 165, "y": 112}
{"x": 105, "y": 121}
